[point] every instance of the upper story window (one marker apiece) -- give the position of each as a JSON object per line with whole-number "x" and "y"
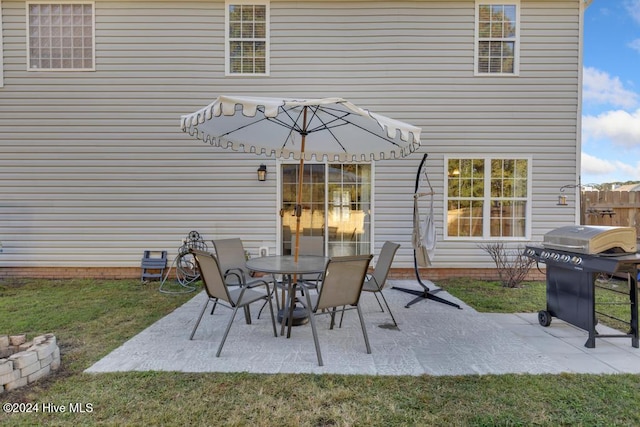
{"x": 247, "y": 37}
{"x": 497, "y": 37}
{"x": 488, "y": 198}
{"x": 61, "y": 36}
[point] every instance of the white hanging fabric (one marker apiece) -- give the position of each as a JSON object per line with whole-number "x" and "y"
{"x": 424, "y": 231}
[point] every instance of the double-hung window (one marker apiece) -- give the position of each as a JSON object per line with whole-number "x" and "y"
{"x": 247, "y": 37}
{"x": 497, "y": 37}
{"x": 61, "y": 36}
{"x": 488, "y": 198}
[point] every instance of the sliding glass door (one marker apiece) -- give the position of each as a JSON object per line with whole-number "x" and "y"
{"x": 336, "y": 209}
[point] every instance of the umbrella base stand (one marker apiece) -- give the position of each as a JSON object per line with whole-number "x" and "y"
{"x": 300, "y": 316}
{"x": 424, "y": 294}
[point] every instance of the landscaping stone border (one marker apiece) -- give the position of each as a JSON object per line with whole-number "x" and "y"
{"x": 23, "y": 362}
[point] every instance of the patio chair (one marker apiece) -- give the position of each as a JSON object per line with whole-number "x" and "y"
{"x": 376, "y": 281}
{"x": 342, "y": 284}
{"x": 232, "y": 260}
{"x": 310, "y": 245}
{"x": 217, "y": 290}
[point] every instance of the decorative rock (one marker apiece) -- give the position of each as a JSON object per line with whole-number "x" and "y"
{"x": 39, "y": 339}
{"x": 23, "y": 359}
{"x": 47, "y": 360}
{"x": 25, "y": 346}
{"x": 39, "y": 374}
{"x": 44, "y": 349}
{"x": 4, "y": 341}
{"x": 17, "y": 339}
{"x": 28, "y": 370}
{"x": 6, "y": 366}
{"x": 55, "y": 363}
{"x": 20, "y": 382}
{"x": 10, "y": 377}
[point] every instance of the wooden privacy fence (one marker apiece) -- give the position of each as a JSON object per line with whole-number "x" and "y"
{"x": 617, "y": 208}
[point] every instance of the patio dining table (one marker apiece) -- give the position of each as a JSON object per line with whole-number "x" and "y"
{"x": 290, "y": 269}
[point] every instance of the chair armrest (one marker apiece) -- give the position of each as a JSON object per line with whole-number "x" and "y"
{"x": 238, "y": 273}
{"x": 256, "y": 283}
{"x": 371, "y": 278}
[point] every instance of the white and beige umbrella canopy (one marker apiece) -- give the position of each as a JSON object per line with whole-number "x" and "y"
{"x": 327, "y": 129}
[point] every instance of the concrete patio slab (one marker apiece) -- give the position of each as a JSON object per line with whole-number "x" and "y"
{"x": 432, "y": 339}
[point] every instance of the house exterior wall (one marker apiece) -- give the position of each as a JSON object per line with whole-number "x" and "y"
{"x": 94, "y": 168}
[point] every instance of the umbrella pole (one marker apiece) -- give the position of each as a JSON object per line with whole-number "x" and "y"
{"x": 300, "y": 182}
{"x": 298, "y": 215}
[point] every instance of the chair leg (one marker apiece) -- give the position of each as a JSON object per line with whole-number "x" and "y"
{"x": 271, "y": 292}
{"x": 247, "y": 314}
{"x": 312, "y": 320}
{"x": 199, "y": 318}
{"x": 364, "y": 329}
{"x": 388, "y": 309}
{"x": 215, "y": 304}
{"x": 226, "y": 332}
{"x": 341, "y": 317}
{"x": 333, "y": 318}
{"x": 273, "y": 317}
{"x": 292, "y": 305}
{"x": 375, "y": 294}
{"x": 262, "y": 308}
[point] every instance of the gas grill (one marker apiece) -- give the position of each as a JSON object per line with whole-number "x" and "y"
{"x": 574, "y": 257}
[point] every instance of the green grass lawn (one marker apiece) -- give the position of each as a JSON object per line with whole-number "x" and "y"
{"x": 91, "y": 318}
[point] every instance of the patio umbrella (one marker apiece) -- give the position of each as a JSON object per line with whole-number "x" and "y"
{"x": 328, "y": 129}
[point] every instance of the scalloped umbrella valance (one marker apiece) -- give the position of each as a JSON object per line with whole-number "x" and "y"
{"x": 328, "y": 129}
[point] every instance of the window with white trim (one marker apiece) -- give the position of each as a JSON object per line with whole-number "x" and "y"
{"x": 61, "y": 36}
{"x": 488, "y": 198}
{"x": 497, "y": 37}
{"x": 247, "y": 37}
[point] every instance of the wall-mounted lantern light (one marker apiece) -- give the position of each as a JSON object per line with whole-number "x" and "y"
{"x": 562, "y": 198}
{"x": 262, "y": 173}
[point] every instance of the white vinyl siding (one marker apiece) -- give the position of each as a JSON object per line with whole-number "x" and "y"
{"x": 60, "y": 36}
{"x": 94, "y": 168}
{"x": 1, "y": 52}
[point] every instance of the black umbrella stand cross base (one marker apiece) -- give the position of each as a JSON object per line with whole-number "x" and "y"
{"x": 425, "y": 293}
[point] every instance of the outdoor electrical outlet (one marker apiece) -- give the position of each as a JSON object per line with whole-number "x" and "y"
{"x": 264, "y": 251}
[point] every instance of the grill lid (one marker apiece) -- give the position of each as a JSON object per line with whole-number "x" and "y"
{"x": 591, "y": 239}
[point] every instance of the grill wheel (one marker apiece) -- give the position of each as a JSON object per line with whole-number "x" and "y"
{"x": 544, "y": 317}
